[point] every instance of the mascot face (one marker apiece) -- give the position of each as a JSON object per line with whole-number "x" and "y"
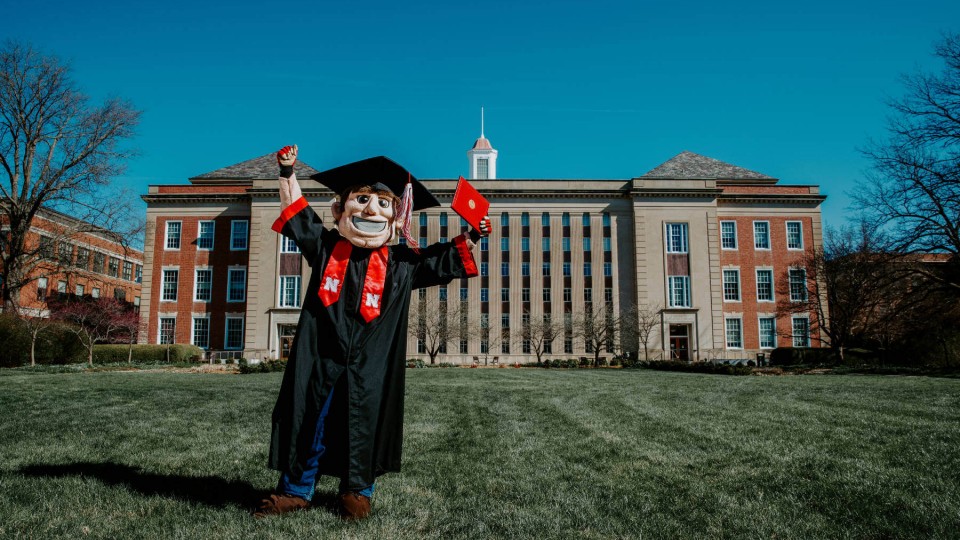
{"x": 366, "y": 217}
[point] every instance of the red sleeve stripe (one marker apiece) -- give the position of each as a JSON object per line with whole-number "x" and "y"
{"x": 288, "y": 213}
{"x": 466, "y": 255}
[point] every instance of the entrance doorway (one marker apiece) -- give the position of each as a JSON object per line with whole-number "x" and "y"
{"x": 286, "y": 333}
{"x": 680, "y": 342}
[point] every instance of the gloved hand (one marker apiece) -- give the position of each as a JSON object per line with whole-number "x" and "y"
{"x": 289, "y": 187}
{"x": 485, "y": 229}
{"x": 286, "y": 157}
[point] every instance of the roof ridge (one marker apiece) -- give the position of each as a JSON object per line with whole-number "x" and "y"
{"x": 690, "y": 165}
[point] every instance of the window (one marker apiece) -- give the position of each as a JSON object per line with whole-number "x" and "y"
{"x": 203, "y": 286}
{"x": 463, "y": 223}
{"x": 504, "y": 219}
{"x": 505, "y": 343}
{"x": 423, "y": 220}
{"x": 546, "y": 269}
{"x": 505, "y": 320}
{"x": 79, "y": 290}
{"x": 567, "y": 345}
{"x": 586, "y": 243}
{"x": 588, "y": 295}
{"x": 139, "y": 273}
{"x": 731, "y": 285}
{"x": 504, "y": 269}
{"x": 679, "y": 291}
{"x": 46, "y": 247}
{"x": 545, "y": 219}
{"x": 83, "y": 257}
{"x": 136, "y": 301}
{"x": 676, "y": 237}
{"x": 484, "y": 243}
{"x": 290, "y": 291}
{"x": 236, "y": 284}
{"x": 798, "y": 284}
{"x": 546, "y": 295}
{"x": 728, "y": 234}
{"x": 127, "y": 270}
{"x": 287, "y": 245}
{"x": 565, "y": 219}
{"x": 443, "y": 219}
{"x": 113, "y": 269}
{"x": 608, "y": 269}
{"x": 62, "y": 287}
{"x": 239, "y": 234}
{"x": 167, "y": 327}
{"x": 170, "y": 278}
{"x": 768, "y": 332}
{"x": 484, "y": 269}
{"x": 201, "y": 332}
{"x": 566, "y": 244}
{"x": 120, "y": 294}
{"x": 41, "y": 288}
{"x": 99, "y": 259}
{"x": 463, "y": 294}
{"x": 484, "y": 294}
{"x": 586, "y": 219}
{"x": 801, "y": 332}
{"x": 608, "y": 295}
{"x": 761, "y": 235}
{"x": 483, "y": 169}
{"x": 606, "y": 244}
{"x": 566, "y": 269}
{"x": 544, "y": 245}
{"x": 524, "y": 244}
{"x": 765, "y": 285}
{"x": 234, "y": 337}
{"x": 173, "y": 235}
{"x": 524, "y": 294}
{"x": 567, "y": 294}
{"x": 65, "y": 253}
{"x": 504, "y": 294}
{"x": 463, "y": 346}
{"x": 423, "y": 243}
{"x": 734, "y": 333}
{"x": 587, "y": 269}
{"x": 504, "y": 244}
{"x": 524, "y": 219}
{"x": 95, "y": 292}
{"x": 606, "y": 219}
{"x": 794, "y": 235}
{"x": 442, "y": 294}
{"x": 525, "y": 269}
{"x": 205, "y": 235}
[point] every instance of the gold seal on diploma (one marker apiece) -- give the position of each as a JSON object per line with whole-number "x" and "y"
{"x": 471, "y": 204}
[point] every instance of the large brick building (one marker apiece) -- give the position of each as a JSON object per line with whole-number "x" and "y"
{"x": 711, "y": 245}
{"x": 73, "y": 257}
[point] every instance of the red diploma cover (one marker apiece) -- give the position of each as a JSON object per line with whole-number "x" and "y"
{"x": 469, "y": 203}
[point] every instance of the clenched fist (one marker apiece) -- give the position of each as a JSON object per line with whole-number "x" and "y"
{"x": 287, "y": 156}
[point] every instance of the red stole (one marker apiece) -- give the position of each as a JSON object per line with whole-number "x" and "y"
{"x": 336, "y": 270}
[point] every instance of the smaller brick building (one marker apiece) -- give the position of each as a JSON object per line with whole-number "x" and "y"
{"x": 75, "y": 258}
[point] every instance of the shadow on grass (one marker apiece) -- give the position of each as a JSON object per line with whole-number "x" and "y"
{"x": 208, "y": 490}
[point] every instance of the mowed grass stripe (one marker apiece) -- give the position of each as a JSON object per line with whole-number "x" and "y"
{"x": 500, "y": 453}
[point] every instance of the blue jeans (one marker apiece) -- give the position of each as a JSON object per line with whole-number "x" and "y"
{"x": 304, "y": 487}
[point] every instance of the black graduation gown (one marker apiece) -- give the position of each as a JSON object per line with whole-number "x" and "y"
{"x": 335, "y": 348}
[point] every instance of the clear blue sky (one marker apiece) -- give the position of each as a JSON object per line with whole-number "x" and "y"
{"x": 572, "y": 90}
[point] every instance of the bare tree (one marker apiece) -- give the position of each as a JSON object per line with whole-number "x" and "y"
{"x": 541, "y": 334}
{"x": 58, "y": 152}
{"x": 437, "y": 323}
{"x": 914, "y": 188}
{"x": 641, "y": 320}
{"x": 598, "y": 329}
{"x": 93, "y": 320}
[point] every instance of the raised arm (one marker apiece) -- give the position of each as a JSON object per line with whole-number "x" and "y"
{"x": 297, "y": 220}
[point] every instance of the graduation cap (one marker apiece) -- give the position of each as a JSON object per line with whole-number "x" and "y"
{"x": 380, "y": 173}
{"x": 383, "y": 173}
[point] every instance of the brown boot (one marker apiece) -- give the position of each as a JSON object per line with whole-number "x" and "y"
{"x": 279, "y": 503}
{"x": 354, "y": 506}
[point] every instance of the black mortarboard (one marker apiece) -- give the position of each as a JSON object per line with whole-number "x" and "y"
{"x": 380, "y": 172}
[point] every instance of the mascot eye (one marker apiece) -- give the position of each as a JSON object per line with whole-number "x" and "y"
{"x": 363, "y": 199}
{"x": 384, "y": 203}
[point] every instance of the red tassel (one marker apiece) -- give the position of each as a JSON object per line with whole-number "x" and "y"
{"x": 406, "y": 216}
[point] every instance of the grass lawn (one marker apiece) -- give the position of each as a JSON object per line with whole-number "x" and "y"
{"x": 498, "y": 453}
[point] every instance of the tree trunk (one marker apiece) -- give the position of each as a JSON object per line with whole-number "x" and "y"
{"x": 90, "y": 355}
{"x": 33, "y": 347}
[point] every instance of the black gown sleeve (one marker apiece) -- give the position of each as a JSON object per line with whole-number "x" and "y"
{"x": 441, "y": 263}
{"x": 300, "y": 223}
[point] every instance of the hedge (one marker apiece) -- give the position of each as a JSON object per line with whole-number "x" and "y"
{"x": 143, "y": 354}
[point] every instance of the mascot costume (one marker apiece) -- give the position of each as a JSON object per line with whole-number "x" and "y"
{"x": 340, "y": 408}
